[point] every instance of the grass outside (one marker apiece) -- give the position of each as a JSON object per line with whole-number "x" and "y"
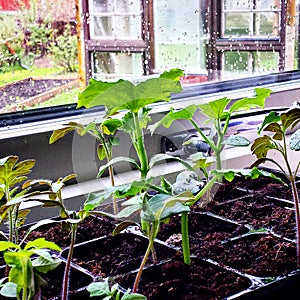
{"x": 16, "y": 74}
{"x": 67, "y": 97}
{"x": 19, "y": 74}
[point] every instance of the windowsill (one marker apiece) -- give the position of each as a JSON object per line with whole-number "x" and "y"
{"x": 191, "y": 94}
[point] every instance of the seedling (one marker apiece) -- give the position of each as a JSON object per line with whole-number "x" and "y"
{"x": 278, "y": 126}
{"x": 26, "y": 264}
{"x": 12, "y": 174}
{"x": 152, "y": 212}
{"x": 102, "y": 289}
{"x": 218, "y": 113}
{"x": 103, "y": 133}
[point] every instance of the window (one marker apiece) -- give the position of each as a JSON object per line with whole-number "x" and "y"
{"x": 249, "y": 38}
{"x": 211, "y": 40}
{"x": 118, "y": 39}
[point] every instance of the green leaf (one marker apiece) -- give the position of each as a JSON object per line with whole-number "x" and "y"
{"x": 121, "y": 191}
{"x": 121, "y": 226}
{"x": 272, "y": 117}
{"x": 125, "y": 95}
{"x": 68, "y": 177}
{"x": 186, "y": 113}
{"x": 9, "y": 289}
{"x": 133, "y": 296}
{"x": 215, "y": 109}
{"x": 128, "y": 211}
{"x": 115, "y": 160}
{"x": 110, "y": 126}
{"x": 4, "y": 245}
{"x": 42, "y": 243}
{"x": 163, "y": 206}
{"x": 290, "y": 118}
{"x": 43, "y": 265}
{"x": 101, "y": 152}
{"x": 295, "y": 141}
{"x": 252, "y": 173}
{"x": 60, "y": 133}
{"x": 262, "y": 145}
{"x": 275, "y": 127}
{"x": 98, "y": 288}
{"x": 237, "y": 141}
{"x": 160, "y": 157}
{"x": 248, "y": 103}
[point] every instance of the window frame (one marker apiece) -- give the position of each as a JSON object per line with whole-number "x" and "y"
{"x": 218, "y": 44}
{"x": 143, "y": 46}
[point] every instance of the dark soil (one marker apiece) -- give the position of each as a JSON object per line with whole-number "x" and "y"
{"x": 218, "y": 232}
{"x": 176, "y": 280}
{"x": 90, "y": 228}
{"x": 116, "y": 255}
{"x": 25, "y": 89}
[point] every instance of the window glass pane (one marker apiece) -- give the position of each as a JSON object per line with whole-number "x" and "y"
{"x": 118, "y": 27}
{"x": 237, "y": 24}
{"x": 101, "y": 6}
{"x": 241, "y": 63}
{"x": 268, "y": 5}
{"x": 110, "y": 65}
{"x": 116, "y": 6}
{"x": 236, "y": 62}
{"x": 237, "y": 4}
{"x": 179, "y": 35}
{"x": 115, "y": 19}
{"x": 128, "y": 6}
{"x": 266, "y": 24}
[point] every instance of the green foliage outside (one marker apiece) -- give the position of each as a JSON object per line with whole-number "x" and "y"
{"x": 34, "y": 36}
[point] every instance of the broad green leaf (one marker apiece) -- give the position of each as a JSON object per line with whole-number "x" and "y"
{"x": 248, "y": 103}
{"x": 295, "y": 141}
{"x": 125, "y": 95}
{"x": 163, "y": 206}
{"x": 43, "y": 265}
{"x": 237, "y": 141}
{"x": 186, "y": 113}
{"x": 215, "y": 109}
{"x": 42, "y": 243}
{"x": 4, "y": 245}
{"x": 95, "y": 199}
{"x": 98, "y": 288}
{"x": 90, "y": 96}
{"x": 133, "y": 296}
{"x": 128, "y": 211}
